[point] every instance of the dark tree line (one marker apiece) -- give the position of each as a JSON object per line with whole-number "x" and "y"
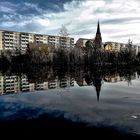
{"x": 47, "y": 55}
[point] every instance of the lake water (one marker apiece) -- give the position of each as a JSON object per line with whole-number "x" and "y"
{"x": 101, "y": 97}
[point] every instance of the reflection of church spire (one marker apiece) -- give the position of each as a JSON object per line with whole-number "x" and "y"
{"x": 97, "y": 83}
{"x": 98, "y": 89}
{"x": 96, "y": 80}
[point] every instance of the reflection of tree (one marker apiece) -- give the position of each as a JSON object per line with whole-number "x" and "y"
{"x": 84, "y": 75}
{"x": 97, "y": 83}
{"x": 129, "y": 79}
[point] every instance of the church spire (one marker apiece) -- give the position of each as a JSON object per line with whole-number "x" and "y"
{"x": 98, "y": 28}
{"x": 98, "y": 37}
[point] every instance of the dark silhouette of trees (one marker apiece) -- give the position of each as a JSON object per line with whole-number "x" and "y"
{"x": 47, "y": 54}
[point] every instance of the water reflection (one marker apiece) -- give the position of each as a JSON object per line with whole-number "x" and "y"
{"x": 16, "y": 84}
{"x": 50, "y": 78}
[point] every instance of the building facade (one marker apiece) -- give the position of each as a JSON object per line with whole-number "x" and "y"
{"x": 81, "y": 42}
{"x": 120, "y": 47}
{"x": 13, "y": 41}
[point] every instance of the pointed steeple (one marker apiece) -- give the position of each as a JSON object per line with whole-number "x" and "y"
{"x": 98, "y": 37}
{"x": 98, "y": 28}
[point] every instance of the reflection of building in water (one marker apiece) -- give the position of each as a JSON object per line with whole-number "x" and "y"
{"x": 53, "y": 84}
{"x": 41, "y": 86}
{"x": 117, "y": 78}
{"x": 66, "y": 82}
{"x": 61, "y": 83}
{"x": 25, "y": 85}
{"x": 11, "y": 84}
{"x": 16, "y": 84}
{"x": 81, "y": 82}
{"x": 113, "y": 78}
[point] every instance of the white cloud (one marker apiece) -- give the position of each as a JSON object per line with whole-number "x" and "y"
{"x": 119, "y": 19}
{"x": 7, "y": 7}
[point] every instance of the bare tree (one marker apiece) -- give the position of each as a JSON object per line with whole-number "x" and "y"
{"x": 63, "y": 31}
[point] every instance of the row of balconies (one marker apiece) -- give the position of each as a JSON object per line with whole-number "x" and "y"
{"x": 10, "y": 83}
{"x": 52, "y": 41}
{"x": 10, "y": 77}
{"x": 8, "y": 34}
{"x": 24, "y": 39}
{"x": 27, "y": 35}
{"x": 24, "y": 35}
{"x": 8, "y": 37}
{"x": 8, "y": 40}
{"x": 8, "y": 44}
{"x": 42, "y": 86}
{"x": 25, "y": 42}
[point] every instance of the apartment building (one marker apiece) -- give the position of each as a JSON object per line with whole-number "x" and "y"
{"x": 1, "y": 42}
{"x": 11, "y": 40}
{"x": 54, "y": 40}
{"x": 114, "y": 46}
{"x": 1, "y": 85}
{"x": 38, "y": 38}
{"x": 117, "y": 47}
{"x": 66, "y": 42}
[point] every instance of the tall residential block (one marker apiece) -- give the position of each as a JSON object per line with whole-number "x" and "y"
{"x": 11, "y": 40}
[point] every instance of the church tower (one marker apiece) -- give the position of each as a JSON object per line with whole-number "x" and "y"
{"x": 98, "y": 38}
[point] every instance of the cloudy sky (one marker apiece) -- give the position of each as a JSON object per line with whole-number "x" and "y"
{"x": 119, "y": 19}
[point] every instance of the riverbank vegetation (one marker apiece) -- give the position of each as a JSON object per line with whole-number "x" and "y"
{"x": 40, "y": 54}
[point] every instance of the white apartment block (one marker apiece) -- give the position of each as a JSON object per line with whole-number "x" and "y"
{"x": 1, "y": 85}
{"x": 117, "y": 47}
{"x": 11, "y": 40}
{"x": 66, "y": 42}
{"x": 1, "y": 42}
{"x": 25, "y": 38}
{"x": 54, "y": 40}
